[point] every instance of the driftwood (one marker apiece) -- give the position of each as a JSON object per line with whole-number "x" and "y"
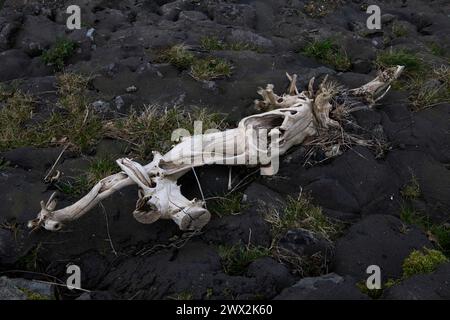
{"x": 260, "y": 139}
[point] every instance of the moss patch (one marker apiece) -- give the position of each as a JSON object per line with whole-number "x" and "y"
{"x": 420, "y": 262}
{"x": 59, "y": 53}
{"x": 31, "y": 295}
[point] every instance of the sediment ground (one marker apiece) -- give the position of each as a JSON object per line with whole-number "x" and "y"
{"x": 136, "y": 70}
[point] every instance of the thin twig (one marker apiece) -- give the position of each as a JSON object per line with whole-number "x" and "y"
{"x": 107, "y": 230}
{"x": 199, "y": 187}
{"x": 55, "y": 163}
{"x": 62, "y": 285}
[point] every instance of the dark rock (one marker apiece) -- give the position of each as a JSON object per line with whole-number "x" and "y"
{"x": 357, "y": 170}
{"x": 432, "y": 176}
{"x": 43, "y": 290}
{"x": 37, "y": 34}
{"x": 41, "y": 86}
{"x": 164, "y": 272}
{"x": 122, "y": 258}
{"x": 8, "y": 29}
{"x": 213, "y": 180}
{"x": 14, "y": 65}
{"x": 111, "y": 149}
{"x": 93, "y": 266}
{"x": 8, "y": 248}
{"x": 377, "y": 240}
{"x": 422, "y": 131}
{"x": 351, "y": 180}
{"x": 389, "y": 204}
{"x": 433, "y": 286}
{"x": 192, "y": 16}
{"x": 171, "y": 10}
{"x": 30, "y": 158}
{"x": 271, "y": 275}
{"x": 247, "y": 227}
{"x": 327, "y": 287}
{"x": 193, "y": 270}
{"x": 8, "y": 291}
{"x": 111, "y": 20}
{"x": 97, "y": 295}
{"x": 248, "y": 37}
{"x": 333, "y": 195}
{"x": 233, "y": 14}
{"x": 22, "y": 289}
{"x": 20, "y": 195}
{"x": 258, "y": 195}
{"x": 101, "y": 106}
{"x": 303, "y": 242}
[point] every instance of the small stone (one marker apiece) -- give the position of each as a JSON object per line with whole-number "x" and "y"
{"x": 387, "y": 18}
{"x": 193, "y": 15}
{"x": 90, "y": 34}
{"x": 210, "y": 85}
{"x": 131, "y": 89}
{"x": 119, "y": 102}
{"x": 101, "y": 106}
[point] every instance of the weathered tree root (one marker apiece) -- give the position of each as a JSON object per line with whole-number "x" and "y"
{"x": 291, "y": 119}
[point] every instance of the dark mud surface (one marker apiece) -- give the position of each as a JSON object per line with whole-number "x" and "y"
{"x": 121, "y": 258}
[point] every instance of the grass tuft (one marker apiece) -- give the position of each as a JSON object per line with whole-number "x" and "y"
{"x": 214, "y": 44}
{"x": 411, "y": 191}
{"x": 235, "y": 259}
{"x": 301, "y": 213}
{"x": 16, "y": 116}
{"x": 328, "y": 52}
{"x": 98, "y": 169}
{"x": 230, "y": 205}
{"x": 4, "y": 164}
{"x": 200, "y": 69}
{"x": 177, "y": 55}
{"x": 210, "y": 68}
{"x": 76, "y": 122}
{"x": 399, "y": 30}
{"x": 151, "y": 129}
{"x": 425, "y": 96}
{"x": 405, "y": 58}
{"x": 73, "y": 122}
{"x": 428, "y": 85}
{"x": 438, "y": 50}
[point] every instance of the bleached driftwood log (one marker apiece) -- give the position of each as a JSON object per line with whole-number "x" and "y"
{"x": 258, "y": 140}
